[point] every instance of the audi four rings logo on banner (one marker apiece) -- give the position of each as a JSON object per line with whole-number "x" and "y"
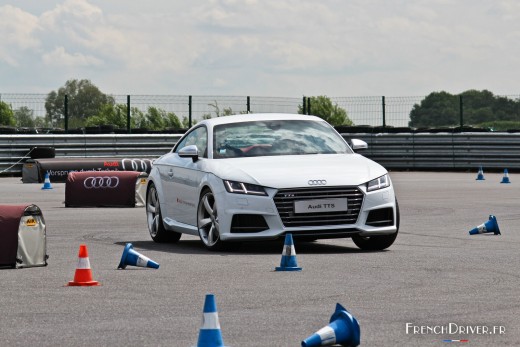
{"x": 101, "y": 182}
{"x": 317, "y": 182}
{"x": 136, "y": 164}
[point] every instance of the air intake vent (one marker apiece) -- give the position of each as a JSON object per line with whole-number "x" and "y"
{"x": 248, "y": 223}
{"x": 383, "y": 217}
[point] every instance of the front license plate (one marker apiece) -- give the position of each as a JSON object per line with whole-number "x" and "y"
{"x": 320, "y": 205}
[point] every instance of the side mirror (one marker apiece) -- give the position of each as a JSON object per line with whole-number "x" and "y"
{"x": 358, "y": 144}
{"x": 190, "y": 151}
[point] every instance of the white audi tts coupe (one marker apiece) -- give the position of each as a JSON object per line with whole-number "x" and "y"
{"x": 259, "y": 176}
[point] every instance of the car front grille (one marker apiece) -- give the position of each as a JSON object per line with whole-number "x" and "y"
{"x": 285, "y": 198}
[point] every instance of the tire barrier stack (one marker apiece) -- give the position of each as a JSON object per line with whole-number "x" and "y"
{"x": 23, "y": 240}
{"x": 105, "y": 189}
{"x": 42, "y": 152}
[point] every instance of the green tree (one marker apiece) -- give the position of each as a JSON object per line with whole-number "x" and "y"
{"x": 172, "y": 121}
{"x": 41, "y": 122}
{"x": 6, "y": 115}
{"x": 155, "y": 118}
{"x": 138, "y": 119}
{"x": 24, "y": 117}
{"x": 161, "y": 119}
{"x": 84, "y": 100}
{"x": 480, "y": 108}
{"x": 186, "y": 122}
{"x": 109, "y": 114}
{"x": 322, "y": 107}
{"x": 437, "y": 109}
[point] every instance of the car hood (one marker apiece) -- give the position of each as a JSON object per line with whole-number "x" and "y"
{"x": 297, "y": 170}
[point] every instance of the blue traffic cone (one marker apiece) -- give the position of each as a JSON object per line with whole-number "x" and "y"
{"x": 480, "y": 175}
{"x": 47, "y": 182}
{"x": 343, "y": 329}
{"x": 491, "y": 226}
{"x": 288, "y": 262}
{"x": 209, "y": 334}
{"x": 131, "y": 257}
{"x": 505, "y": 179}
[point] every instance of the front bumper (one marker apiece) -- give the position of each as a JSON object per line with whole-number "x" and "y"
{"x": 260, "y": 217}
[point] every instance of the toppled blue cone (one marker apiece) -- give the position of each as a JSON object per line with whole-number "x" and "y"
{"x": 343, "y": 329}
{"x": 134, "y": 258}
{"x": 491, "y": 226}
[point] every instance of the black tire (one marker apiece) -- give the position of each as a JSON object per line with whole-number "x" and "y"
{"x": 379, "y": 242}
{"x": 156, "y": 228}
{"x": 43, "y": 152}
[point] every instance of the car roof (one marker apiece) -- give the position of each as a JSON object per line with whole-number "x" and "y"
{"x": 256, "y": 117}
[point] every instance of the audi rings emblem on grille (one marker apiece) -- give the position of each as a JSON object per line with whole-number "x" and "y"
{"x": 317, "y": 182}
{"x": 101, "y": 182}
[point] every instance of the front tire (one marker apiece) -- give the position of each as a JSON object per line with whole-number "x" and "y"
{"x": 154, "y": 218}
{"x": 208, "y": 223}
{"x": 379, "y": 242}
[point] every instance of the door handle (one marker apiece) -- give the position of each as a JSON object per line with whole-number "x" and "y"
{"x": 170, "y": 173}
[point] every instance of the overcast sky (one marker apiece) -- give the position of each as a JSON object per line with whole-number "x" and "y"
{"x": 261, "y": 47}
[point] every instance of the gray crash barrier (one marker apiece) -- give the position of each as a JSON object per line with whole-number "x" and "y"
{"x": 106, "y": 189}
{"x": 23, "y": 240}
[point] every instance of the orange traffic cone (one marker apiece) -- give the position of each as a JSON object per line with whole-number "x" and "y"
{"x": 83, "y": 275}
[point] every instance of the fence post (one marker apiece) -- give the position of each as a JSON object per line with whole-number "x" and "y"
{"x": 384, "y": 111}
{"x": 304, "y": 105}
{"x": 461, "y": 111}
{"x": 189, "y": 111}
{"x": 66, "y": 112}
{"x": 248, "y": 104}
{"x": 128, "y": 126}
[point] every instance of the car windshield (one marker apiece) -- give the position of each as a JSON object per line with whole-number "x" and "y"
{"x": 276, "y": 137}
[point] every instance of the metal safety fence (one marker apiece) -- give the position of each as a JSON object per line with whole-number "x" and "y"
{"x": 464, "y": 111}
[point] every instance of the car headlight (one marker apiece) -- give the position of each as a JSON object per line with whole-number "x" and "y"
{"x": 378, "y": 183}
{"x": 244, "y": 188}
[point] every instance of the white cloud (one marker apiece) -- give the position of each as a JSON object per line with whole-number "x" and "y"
{"x": 16, "y": 33}
{"x": 71, "y": 14}
{"x": 60, "y": 58}
{"x": 285, "y": 47}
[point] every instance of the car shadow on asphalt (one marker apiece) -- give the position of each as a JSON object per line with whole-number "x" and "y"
{"x": 263, "y": 247}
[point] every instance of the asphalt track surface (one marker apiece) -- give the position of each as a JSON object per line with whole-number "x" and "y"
{"x": 435, "y": 276}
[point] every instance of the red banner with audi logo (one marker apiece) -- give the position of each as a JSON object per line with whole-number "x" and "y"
{"x": 101, "y": 189}
{"x": 59, "y": 168}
